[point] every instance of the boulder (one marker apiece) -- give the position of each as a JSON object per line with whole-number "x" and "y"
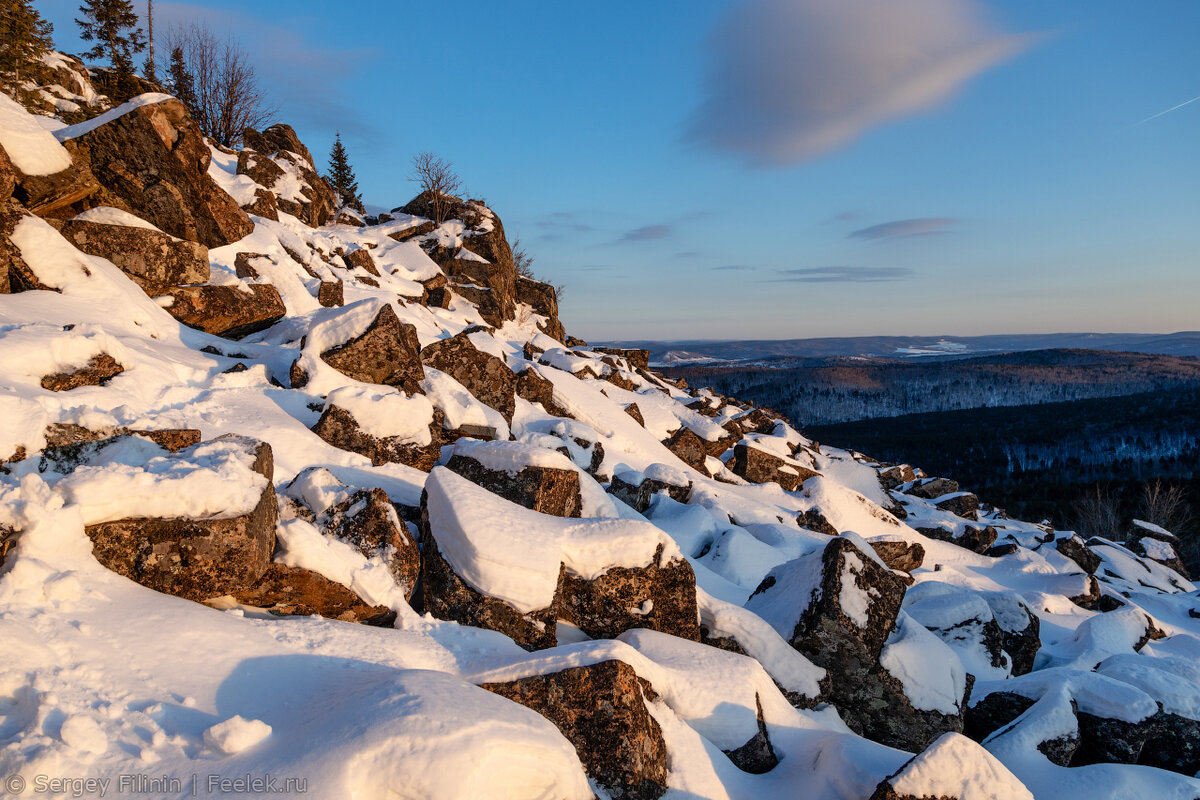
{"x": 759, "y": 466}
{"x": 962, "y": 504}
{"x": 338, "y": 427}
{"x": 533, "y": 387}
{"x": 756, "y": 756}
{"x": 543, "y": 298}
{"x": 660, "y": 595}
{"x": 154, "y": 260}
{"x": 993, "y": 712}
{"x": 99, "y": 370}
{"x": 601, "y": 709}
{"x": 294, "y": 591}
{"x": 153, "y": 161}
{"x": 837, "y": 606}
{"x": 8, "y": 539}
{"x": 68, "y": 445}
{"x": 931, "y": 488}
{"x": 637, "y": 489}
{"x": 893, "y": 476}
{"x": 1157, "y": 544}
{"x": 899, "y": 554}
{"x": 197, "y": 559}
{"x": 361, "y": 258}
{"x": 448, "y": 596}
{"x": 413, "y": 231}
{"x": 483, "y": 374}
{"x": 368, "y": 520}
{"x": 330, "y": 294}
{"x": 1074, "y": 548}
{"x": 387, "y": 352}
{"x": 1020, "y": 629}
{"x": 265, "y": 205}
{"x": 232, "y": 312}
{"x": 963, "y": 620}
{"x": 1173, "y": 744}
{"x": 528, "y": 480}
{"x": 635, "y": 412}
{"x": 689, "y": 448}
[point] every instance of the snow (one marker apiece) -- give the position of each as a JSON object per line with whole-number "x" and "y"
{"x": 107, "y": 215}
{"x": 136, "y": 478}
{"x": 236, "y": 735}
{"x": 511, "y": 457}
{"x": 384, "y": 413}
{"x": 931, "y": 673}
{"x": 32, "y": 149}
{"x": 954, "y": 766}
{"x": 75, "y": 131}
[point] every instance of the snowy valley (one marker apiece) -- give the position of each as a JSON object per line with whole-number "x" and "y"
{"x": 295, "y": 501}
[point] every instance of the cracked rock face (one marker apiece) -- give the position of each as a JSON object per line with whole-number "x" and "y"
{"x": 601, "y": 710}
{"x": 154, "y": 260}
{"x": 368, "y": 520}
{"x": 483, "y": 374}
{"x": 660, "y": 596}
{"x": 227, "y": 311}
{"x": 544, "y": 489}
{"x": 294, "y": 591}
{"x": 387, "y": 353}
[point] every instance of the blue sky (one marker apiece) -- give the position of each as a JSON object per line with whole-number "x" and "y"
{"x": 779, "y": 168}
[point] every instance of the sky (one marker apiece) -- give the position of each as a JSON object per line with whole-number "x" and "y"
{"x": 775, "y": 169}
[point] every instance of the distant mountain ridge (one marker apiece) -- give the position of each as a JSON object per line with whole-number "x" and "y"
{"x": 699, "y": 351}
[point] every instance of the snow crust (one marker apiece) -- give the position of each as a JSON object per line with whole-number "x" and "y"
{"x": 32, "y": 149}
{"x": 75, "y": 131}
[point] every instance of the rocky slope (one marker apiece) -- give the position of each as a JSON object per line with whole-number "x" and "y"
{"x": 290, "y": 497}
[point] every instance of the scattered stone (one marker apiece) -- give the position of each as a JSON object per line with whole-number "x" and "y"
{"x": 975, "y": 539}
{"x": 294, "y": 591}
{"x": 1001, "y": 550}
{"x": 756, "y": 756}
{"x": 99, "y": 371}
{"x": 1074, "y": 548}
{"x": 638, "y": 495}
{"x": 361, "y": 257}
{"x": 814, "y": 520}
{"x": 962, "y": 504}
{"x": 893, "y": 476}
{"x": 231, "y": 312}
{"x": 636, "y": 358}
{"x": 932, "y": 488}
{"x": 601, "y": 709}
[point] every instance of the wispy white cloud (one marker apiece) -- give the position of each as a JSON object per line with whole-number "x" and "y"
{"x": 791, "y": 80}
{"x": 924, "y": 226}
{"x": 842, "y": 275}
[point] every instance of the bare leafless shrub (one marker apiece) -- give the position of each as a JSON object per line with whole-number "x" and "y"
{"x": 436, "y": 176}
{"x": 227, "y": 97}
{"x": 1097, "y": 514}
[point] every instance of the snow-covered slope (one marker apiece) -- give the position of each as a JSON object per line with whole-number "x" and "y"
{"x": 769, "y": 642}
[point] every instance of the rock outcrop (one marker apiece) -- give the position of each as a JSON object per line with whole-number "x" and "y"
{"x": 153, "y": 161}
{"x": 483, "y": 374}
{"x": 153, "y": 259}
{"x": 232, "y": 312}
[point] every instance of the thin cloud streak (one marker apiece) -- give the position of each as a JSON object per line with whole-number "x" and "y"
{"x": 842, "y": 275}
{"x": 924, "y": 226}
{"x": 647, "y": 233}
{"x": 1168, "y": 111}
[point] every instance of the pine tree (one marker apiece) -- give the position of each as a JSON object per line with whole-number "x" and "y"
{"x": 179, "y": 80}
{"x": 112, "y": 25}
{"x": 341, "y": 176}
{"x": 24, "y": 36}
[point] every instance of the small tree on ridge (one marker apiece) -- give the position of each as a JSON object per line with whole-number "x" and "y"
{"x": 341, "y": 177}
{"x": 436, "y": 176}
{"x": 24, "y": 36}
{"x": 113, "y": 26}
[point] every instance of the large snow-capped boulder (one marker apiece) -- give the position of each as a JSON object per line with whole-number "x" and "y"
{"x": 383, "y": 424}
{"x": 198, "y": 523}
{"x": 153, "y": 259}
{"x": 151, "y": 159}
{"x": 368, "y": 520}
{"x": 690, "y": 448}
{"x": 485, "y": 375}
{"x": 637, "y": 488}
{"x": 1157, "y": 544}
{"x": 491, "y": 563}
{"x": 232, "y": 312}
{"x": 542, "y": 480}
{"x": 601, "y": 709}
{"x": 963, "y": 620}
